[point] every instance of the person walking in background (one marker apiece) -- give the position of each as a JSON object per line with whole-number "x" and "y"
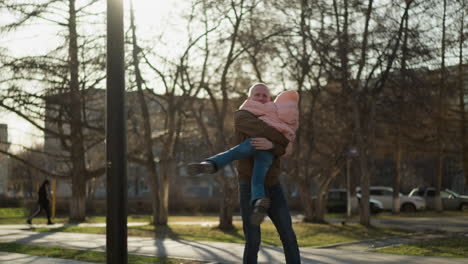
{"x": 44, "y": 198}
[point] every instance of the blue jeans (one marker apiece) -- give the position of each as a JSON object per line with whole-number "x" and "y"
{"x": 262, "y": 162}
{"x": 279, "y": 215}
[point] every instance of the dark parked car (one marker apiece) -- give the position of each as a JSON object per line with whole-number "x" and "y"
{"x": 337, "y": 202}
{"x": 450, "y": 199}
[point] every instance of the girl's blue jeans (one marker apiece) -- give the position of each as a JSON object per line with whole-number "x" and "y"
{"x": 262, "y": 162}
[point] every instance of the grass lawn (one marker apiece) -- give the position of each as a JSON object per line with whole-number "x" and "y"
{"x": 13, "y": 212}
{"x": 423, "y": 214}
{"x": 147, "y": 218}
{"x": 453, "y": 246}
{"x": 82, "y": 255}
{"x": 41, "y": 219}
{"x": 307, "y": 234}
{"x": 11, "y": 216}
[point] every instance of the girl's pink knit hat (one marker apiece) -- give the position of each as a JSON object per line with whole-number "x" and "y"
{"x": 287, "y": 96}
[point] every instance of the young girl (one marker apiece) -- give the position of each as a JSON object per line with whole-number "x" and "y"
{"x": 282, "y": 115}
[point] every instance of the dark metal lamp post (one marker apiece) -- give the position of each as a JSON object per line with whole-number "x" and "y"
{"x": 116, "y": 145}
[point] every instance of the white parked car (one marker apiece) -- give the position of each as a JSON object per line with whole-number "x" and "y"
{"x": 385, "y": 196}
{"x": 450, "y": 199}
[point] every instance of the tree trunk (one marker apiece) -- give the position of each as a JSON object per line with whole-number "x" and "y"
{"x": 440, "y": 116}
{"x": 165, "y": 171}
{"x": 306, "y": 201}
{"x": 353, "y": 184}
{"x": 226, "y": 204}
{"x": 357, "y": 102}
{"x": 154, "y": 200}
{"x": 167, "y": 158}
{"x": 322, "y": 197}
{"x": 438, "y": 183}
{"x": 397, "y": 179}
{"x": 363, "y": 165}
{"x": 320, "y": 205}
{"x": 462, "y": 106}
{"x": 228, "y": 189}
{"x": 398, "y": 153}
{"x": 150, "y": 163}
{"x": 227, "y": 201}
{"x": 78, "y": 199}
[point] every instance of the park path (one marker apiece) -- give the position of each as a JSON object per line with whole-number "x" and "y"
{"x": 14, "y": 258}
{"x": 212, "y": 252}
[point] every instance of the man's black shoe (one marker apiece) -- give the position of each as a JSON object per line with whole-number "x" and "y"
{"x": 29, "y": 222}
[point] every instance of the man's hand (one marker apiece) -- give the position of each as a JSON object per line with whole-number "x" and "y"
{"x": 261, "y": 143}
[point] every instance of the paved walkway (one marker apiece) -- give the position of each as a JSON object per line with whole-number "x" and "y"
{"x": 205, "y": 251}
{"x": 14, "y": 258}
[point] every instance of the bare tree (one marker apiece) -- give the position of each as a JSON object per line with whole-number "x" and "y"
{"x": 179, "y": 96}
{"x": 148, "y": 159}
{"x": 220, "y": 63}
{"x": 355, "y": 64}
{"x": 66, "y": 80}
{"x": 324, "y": 133}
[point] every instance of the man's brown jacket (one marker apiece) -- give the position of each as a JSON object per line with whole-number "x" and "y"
{"x": 247, "y": 125}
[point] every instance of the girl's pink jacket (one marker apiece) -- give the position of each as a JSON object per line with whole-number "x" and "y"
{"x": 282, "y": 114}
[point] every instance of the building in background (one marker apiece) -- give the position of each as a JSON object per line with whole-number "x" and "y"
{"x": 190, "y": 144}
